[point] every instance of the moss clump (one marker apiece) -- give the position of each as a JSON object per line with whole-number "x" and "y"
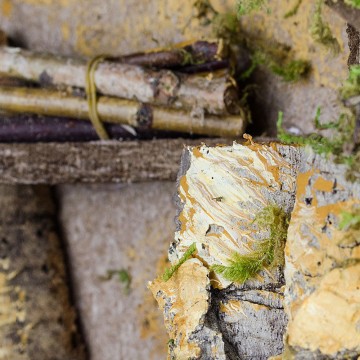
{"x": 267, "y": 253}
{"x": 341, "y": 145}
{"x": 187, "y": 255}
{"x": 350, "y": 220}
{"x": 245, "y": 7}
{"x": 292, "y": 71}
{"x": 351, "y": 86}
{"x": 319, "y": 143}
{"x": 321, "y": 32}
{"x": 288, "y": 69}
{"x": 353, "y": 3}
{"x": 350, "y": 224}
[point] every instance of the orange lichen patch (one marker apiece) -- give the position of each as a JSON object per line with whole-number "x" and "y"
{"x": 184, "y": 301}
{"x": 319, "y": 298}
{"x": 328, "y": 319}
{"x": 322, "y": 184}
{"x": 196, "y": 152}
{"x": 221, "y": 192}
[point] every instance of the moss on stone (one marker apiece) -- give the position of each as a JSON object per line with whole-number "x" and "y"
{"x": 187, "y": 255}
{"x": 266, "y": 253}
{"x": 320, "y": 30}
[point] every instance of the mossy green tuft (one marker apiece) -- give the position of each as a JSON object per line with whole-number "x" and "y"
{"x": 267, "y": 253}
{"x": 187, "y": 255}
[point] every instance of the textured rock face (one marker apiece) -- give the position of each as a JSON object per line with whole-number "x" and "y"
{"x": 315, "y": 315}
{"x": 322, "y": 264}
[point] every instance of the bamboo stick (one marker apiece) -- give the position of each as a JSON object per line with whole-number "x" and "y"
{"x": 164, "y": 87}
{"x": 118, "y": 111}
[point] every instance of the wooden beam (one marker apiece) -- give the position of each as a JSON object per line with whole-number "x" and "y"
{"x": 101, "y": 162}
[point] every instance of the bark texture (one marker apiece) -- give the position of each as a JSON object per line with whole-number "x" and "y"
{"x": 124, "y": 81}
{"x": 221, "y": 190}
{"x": 101, "y": 162}
{"x": 37, "y": 320}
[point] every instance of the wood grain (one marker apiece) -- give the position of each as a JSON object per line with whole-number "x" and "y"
{"x": 101, "y": 162}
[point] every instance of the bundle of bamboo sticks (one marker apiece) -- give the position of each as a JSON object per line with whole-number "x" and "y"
{"x": 184, "y": 89}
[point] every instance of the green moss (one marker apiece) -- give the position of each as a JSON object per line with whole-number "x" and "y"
{"x": 321, "y": 32}
{"x": 288, "y": 69}
{"x": 338, "y": 145}
{"x": 123, "y": 276}
{"x": 353, "y": 3}
{"x": 351, "y": 86}
{"x": 294, "y": 10}
{"x": 319, "y": 143}
{"x": 350, "y": 224}
{"x": 187, "y": 255}
{"x": 266, "y": 253}
{"x": 350, "y": 220}
{"x": 245, "y": 7}
{"x": 292, "y": 71}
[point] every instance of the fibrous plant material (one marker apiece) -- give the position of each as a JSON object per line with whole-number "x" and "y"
{"x": 216, "y": 96}
{"x": 118, "y": 111}
{"x": 187, "y": 255}
{"x": 321, "y": 32}
{"x": 267, "y": 253}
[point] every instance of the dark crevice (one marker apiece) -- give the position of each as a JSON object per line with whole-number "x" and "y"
{"x": 79, "y": 336}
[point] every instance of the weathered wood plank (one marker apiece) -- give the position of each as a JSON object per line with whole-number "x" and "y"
{"x": 101, "y": 162}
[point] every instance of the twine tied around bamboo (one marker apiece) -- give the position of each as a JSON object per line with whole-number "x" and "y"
{"x": 92, "y": 96}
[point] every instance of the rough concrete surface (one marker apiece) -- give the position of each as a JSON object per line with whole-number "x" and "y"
{"x": 114, "y": 227}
